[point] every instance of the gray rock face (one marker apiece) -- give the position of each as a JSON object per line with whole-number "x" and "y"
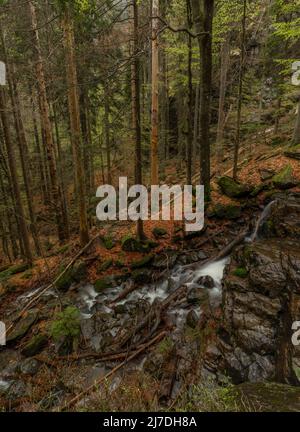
{"x": 254, "y": 335}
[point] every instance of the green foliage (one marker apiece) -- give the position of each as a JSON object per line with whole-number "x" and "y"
{"x": 241, "y": 272}
{"x": 67, "y": 324}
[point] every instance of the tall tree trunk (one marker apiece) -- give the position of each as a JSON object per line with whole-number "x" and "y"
{"x": 203, "y": 17}
{"x": 190, "y": 100}
{"x": 240, "y": 95}
{"x": 56, "y": 203}
{"x": 75, "y": 123}
{"x": 225, "y": 55}
{"x": 14, "y": 177}
{"x": 107, "y": 134}
{"x": 154, "y": 104}
{"x": 136, "y": 109}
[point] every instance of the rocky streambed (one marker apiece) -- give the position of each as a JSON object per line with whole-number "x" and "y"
{"x": 230, "y": 317}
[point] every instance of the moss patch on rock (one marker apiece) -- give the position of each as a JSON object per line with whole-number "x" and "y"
{"x": 233, "y": 189}
{"x": 285, "y": 179}
{"x": 142, "y": 262}
{"x": 35, "y": 345}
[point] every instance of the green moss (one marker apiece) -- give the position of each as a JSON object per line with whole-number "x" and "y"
{"x": 159, "y": 232}
{"x": 241, "y": 272}
{"x": 142, "y": 262}
{"x": 108, "y": 243}
{"x": 284, "y": 179}
{"x": 229, "y": 211}
{"x": 77, "y": 273}
{"x": 104, "y": 283}
{"x": 13, "y": 270}
{"x": 232, "y": 188}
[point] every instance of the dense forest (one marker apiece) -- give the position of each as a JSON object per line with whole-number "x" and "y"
{"x": 123, "y": 315}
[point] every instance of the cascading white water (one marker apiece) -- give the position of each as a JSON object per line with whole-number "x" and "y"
{"x": 264, "y": 214}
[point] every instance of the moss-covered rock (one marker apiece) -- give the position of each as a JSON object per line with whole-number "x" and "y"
{"x": 233, "y": 189}
{"x": 76, "y": 274}
{"x": 229, "y": 211}
{"x": 22, "y": 327}
{"x": 285, "y": 179}
{"x": 146, "y": 260}
{"x": 159, "y": 232}
{"x": 35, "y": 345}
{"x": 131, "y": 244}
{"x": 142, "y": 276}
{"x": 241, "y": 272}
{"x": 11, "y": 271}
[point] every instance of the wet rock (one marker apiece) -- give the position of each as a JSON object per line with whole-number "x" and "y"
{"x": 197, "y": 295}
{"x": 142, "y": 276}
{"x": 232, "y": 188}
{"x": 30, "y": 367}
{"x": 165, "y": 260}
{"x": 105, "y": 283}
{"x": 35, "y": 345}
{"x": 269, "y": 279}
{"x": 131, "y": 244}
{"x": 192, "y": 319}
{"x": 22, "y": 327}
{"x": 206, "y": 281}
{"x": 17, "y": 390}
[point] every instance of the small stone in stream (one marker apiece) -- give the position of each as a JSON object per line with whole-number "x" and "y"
{"x": 206, "y": 281}
{"x": 202, "y": 255}
{"x": 197, "y": 295}
{"x": 120, "y": 309}
{"x": 22, "y": 327}
{"x": 105, "y": 283}
{"x": 192, "y": 319}
{"x": 35, "y": 345}
{"x": 30, "y": 366}
{"x": 159, "y": 232}
{"x": 146, "y": 260}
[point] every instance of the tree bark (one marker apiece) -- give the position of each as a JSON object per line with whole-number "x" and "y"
{"x": 154, "y": 104}
{"x": 296, "y": 135}
{"x": 240, "y": 95}
{"x": 14, "y": 177}
{"x": 75, "y": 123}
{"x": 46, "y": 124}
{"x": 136, "y": 110}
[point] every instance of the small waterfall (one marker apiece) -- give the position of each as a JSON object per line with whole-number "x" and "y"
{"x": 264, "y": 214}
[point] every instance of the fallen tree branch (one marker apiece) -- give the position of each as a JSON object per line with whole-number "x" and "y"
{"x": 114, "y": 370}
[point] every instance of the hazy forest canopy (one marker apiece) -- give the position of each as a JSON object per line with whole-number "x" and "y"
{"x": 178, "y": 92}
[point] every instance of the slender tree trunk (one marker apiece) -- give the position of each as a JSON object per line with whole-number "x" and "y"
{"x": 136, "y": 109}
{"x": 225, "y": 51}
{"x": 240, "y": 95}
{"x": 154, "y": 104}
{"x": 190, "y": 101}
{"x": 14, "y": 177}
{"x": 203, "y": 17}
{"x": 45, "y": 120}
{"x": 107, "y": 135}
{"x": 75, "y": 123}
